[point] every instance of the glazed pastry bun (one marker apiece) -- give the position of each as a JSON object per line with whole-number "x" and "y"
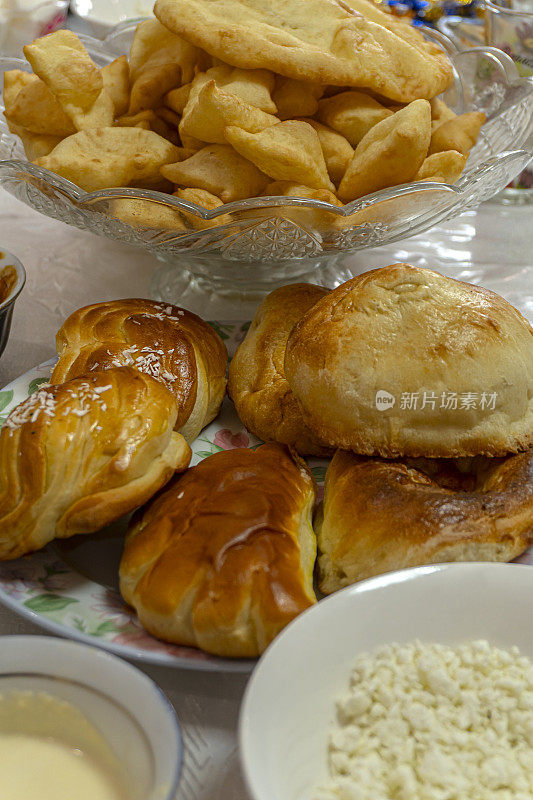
{"x": 169, "y": 343}
{"x": 257, "y": 383}
{"x": 404, "y": 361}
{"x": 223, "y": 558}
{"x": 77, "y": 456}
{"x": 379, "y": 515}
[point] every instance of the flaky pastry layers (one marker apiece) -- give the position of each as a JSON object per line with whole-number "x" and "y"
{"x": 74, "y": 457}
{"x": 223, "y": 558}
{"x": 257, "y": 383}
{"x": 404, "y": 361}
{"x": 169, "y": 343}
{"x": 379, "y": 516}
{"x": 312, "y": 40}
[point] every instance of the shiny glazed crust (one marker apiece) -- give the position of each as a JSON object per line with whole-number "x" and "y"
{"x": 223, "y": 558}
{"x": 257, "y": 383}
{"x": 164, "y": 341}
{"x": 77, "y": 456}
{"x": 408, "y": 331}
{"x": 378, "y": 516}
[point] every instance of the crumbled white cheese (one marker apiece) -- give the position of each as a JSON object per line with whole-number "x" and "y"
{"x": 430, "y": 722}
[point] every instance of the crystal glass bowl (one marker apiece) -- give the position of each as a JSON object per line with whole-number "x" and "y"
{"x": 270, "y": 240}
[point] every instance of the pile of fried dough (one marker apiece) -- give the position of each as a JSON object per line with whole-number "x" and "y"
{"x": 222, "y": 100}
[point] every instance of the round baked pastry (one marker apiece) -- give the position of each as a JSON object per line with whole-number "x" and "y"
{"x": 379, "y": 515}
{"x": 223, "y": 559}
{"x": 404, "y": 361}
{"x": 257, "y": 383}
{"x": 169, "y": 343}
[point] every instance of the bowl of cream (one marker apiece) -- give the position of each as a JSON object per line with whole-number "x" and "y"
{"x": 12, "y": 280}
{"x": 78, "y": 722}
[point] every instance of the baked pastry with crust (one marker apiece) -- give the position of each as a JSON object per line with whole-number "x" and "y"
{"x": 405, "y": 361}
{"x": 257, "y": 383}
{"x": 223, "y": 558}
{"x": 169, "y": 343}
{"x": 378, "y": 516}
{"x": 77, "y": 456}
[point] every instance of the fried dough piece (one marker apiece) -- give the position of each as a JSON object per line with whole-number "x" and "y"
{"x": 311, "y": 40}
{"x": 391, "y": 153}
{"x": 296, "y": 98}
{"x": 177, "y": 99}
{"x": 63, "y": 63}
{"x": 254, "y": 86}
{"x": 445, "y": 167}
{"x": 150, "y": 121}
{"x": 219, "y": 170}
{"x": 35, "y": 144}
{"x": 112, "y": 157}
{"x": 459, "y": 133}
{"x": 169, "y": 116}
{"x": 159, "y": 62}
{"x": 36, "y": 109}
{"x": 14, "y": 81}
{"x": 337, "y": 150}
{"x": 207, "y": 201}
{"x": 137, "y": 212}
{"x": 305, "y": 217}
{"x": 116, "y": 77}
{"x": 352, "y": 114}
{"x": 440, "y": 112}
{"x": 209, "y": 113}
{"x": 287, "y": 151}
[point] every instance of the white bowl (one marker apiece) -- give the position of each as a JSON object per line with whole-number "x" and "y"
{"x": 131, "y": 713}
{"x": 22, "y": 22}
{"x": 288, "y": 706}
{"x": 101, "y": 16}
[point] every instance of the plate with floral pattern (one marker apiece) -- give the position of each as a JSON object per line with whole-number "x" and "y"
{"x": 70, "y": 588}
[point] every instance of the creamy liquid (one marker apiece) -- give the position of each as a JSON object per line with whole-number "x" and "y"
{"x": 39, "y": 769}
{"x": 49, "y": 750}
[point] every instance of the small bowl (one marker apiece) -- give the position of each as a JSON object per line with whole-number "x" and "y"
{"x": 20, "y": 24}
{"x": 289, "y": 703}
{"x": 12, "y": 280}
{"x": 101, "y": 16}
{"x": 131, "y": 714}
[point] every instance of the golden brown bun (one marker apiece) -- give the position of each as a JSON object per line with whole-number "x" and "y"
{"x": 412, "y": 335}
{"x": 378, "y": 516}
{"x": 257, "y": 384}
{"x": 77, "y": 456}
{"x": 223, "y": 558}
{"x": 164, "y": 341}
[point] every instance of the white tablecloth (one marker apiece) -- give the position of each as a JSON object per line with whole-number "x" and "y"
{"x": 68, "y": 268}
